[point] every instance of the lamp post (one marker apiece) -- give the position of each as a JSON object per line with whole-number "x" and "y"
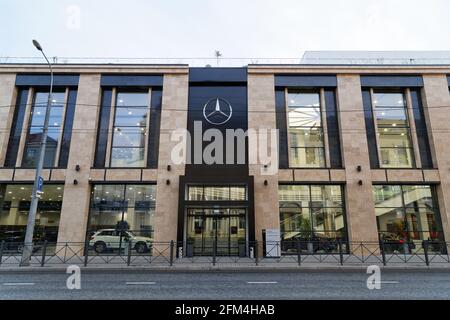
{"x": 28, "y": 242}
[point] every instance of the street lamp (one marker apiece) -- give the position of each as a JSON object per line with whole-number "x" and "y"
{"x": 28, "y": 242}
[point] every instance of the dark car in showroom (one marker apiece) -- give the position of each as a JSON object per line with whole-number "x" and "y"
{"x": 13, "y": 241}
{"x": 310, "y": 243}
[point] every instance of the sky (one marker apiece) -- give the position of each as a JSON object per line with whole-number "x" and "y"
{"x": 237, "y": 28}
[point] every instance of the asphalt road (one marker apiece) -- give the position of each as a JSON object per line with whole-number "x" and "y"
{"x": 226, "y": 285}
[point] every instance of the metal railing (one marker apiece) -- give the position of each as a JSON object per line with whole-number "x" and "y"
{"x": 257, "y": 253}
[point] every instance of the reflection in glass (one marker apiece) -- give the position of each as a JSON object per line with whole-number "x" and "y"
{"x": 388, "y": 99}
{"x": 305, "y": 130}
{"x": 237, "y": 193}
{"x": 130, "y": 129}
{"x": 126, "y": 204}
{"x": 311, "y": 213}
{"x": 216, "y": 193}
{"x": 195, "y": 193}
{"x": 406, "y": 213}
{"x": 397, "y": 157}
{"x": 394, "y": 134}
{"x": 307, "y": 157}
{"x": 225, "y": 228}
{"x": 36, "y": 128}
{"x": 303, "y": 99}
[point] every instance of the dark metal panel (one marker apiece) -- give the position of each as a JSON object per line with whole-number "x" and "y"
{"x": 391, "y": 81}
{"x": 16, "y": 128}
{"x": 333, "y": 129}
{"x": 67, "y": 133}
{"x": 421, "y": 130}
{"x": 370, "y": 130}
{"x": 114, "y": 80}
{"x": 280, "y": 109}
{"x": 221, "y": 75}
{"x": 102, "y": 134}
{"x": 43, "y": 80}
{"x": 198, "y": 96}
{"x": 306, "y": 81}
{"x": 155, "y": 123}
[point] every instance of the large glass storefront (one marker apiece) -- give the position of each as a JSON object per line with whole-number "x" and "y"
{"x": 15, "y": 202}
{"x": 122, "y": 207}
{"x": 407, "y": 215}
{"x": 312, "y": 215}
{"x": 219, "y": 226}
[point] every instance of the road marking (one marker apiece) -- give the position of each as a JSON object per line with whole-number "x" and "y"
{"x": 19, "y": 284}
{"x": 139, "y": 283}
{"x": 262, "y": 282}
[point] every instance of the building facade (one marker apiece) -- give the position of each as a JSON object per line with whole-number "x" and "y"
{"x": 361, "y": 152}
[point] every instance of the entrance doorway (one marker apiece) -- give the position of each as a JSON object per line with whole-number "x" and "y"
{"x": 223, "y": 228}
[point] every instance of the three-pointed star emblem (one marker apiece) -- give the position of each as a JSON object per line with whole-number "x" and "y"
{"x": 217, "y": 111}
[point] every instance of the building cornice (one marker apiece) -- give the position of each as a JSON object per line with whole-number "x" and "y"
{"x": 96, "y": 68}
{"x": 349, "y": 69}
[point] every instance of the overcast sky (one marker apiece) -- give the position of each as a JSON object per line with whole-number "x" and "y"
{"x": 238, "y": 28}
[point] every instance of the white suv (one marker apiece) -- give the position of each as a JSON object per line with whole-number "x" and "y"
{"x": 109, "y": 239}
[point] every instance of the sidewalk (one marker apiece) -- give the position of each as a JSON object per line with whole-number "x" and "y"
{"x": 207, "y": 264}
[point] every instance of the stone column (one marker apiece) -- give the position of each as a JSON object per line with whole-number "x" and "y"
{"x": 261, "y": 115}
{"x": 7, "y": 104}
{"x": 361, "y": 220}
{"x": 76, "y": 198}
{"x": 437, "y": 107}
{"x": 173, "y": 116}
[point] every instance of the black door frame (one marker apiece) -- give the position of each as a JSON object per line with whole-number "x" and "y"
{"x": 215, "y": 218}
{"x": 183, "y": 204}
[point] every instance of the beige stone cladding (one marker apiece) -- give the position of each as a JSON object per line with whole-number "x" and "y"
{"x": 173, "y": 116}
{"x": 261, "y": 115}
{"x": 437, "y": 107}
{"x": 75, "y": 207}
{"x": 7, "y": 103}
{"x": 361, "y": 219}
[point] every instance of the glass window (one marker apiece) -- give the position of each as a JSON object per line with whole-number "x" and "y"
{"x": 36, "y": 128}
{"x": 311, "y": 213}
{"x": 387, "y": 196}
{"x": 305, "y": 130}
{"x": 195, "y": 193}
{"x": 304, "y": 99}
{"x": 132, "y": 99}
{"x": 394, "y": 134}
{"x": 238, "y": 193}
{"x": 116, "y": 205}
{"x": 216, "y": 193}
{"x": 389, "y": 99}
{"x": 130, "y": 129}
{"x": 326, "y": 196}
{"x": 406, "y": 213}
{"x": 15, "y": 202}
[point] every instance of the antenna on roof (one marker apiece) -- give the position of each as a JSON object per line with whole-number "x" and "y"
{"x": 218, "y": 55}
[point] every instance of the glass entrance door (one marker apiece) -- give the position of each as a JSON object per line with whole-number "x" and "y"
{"x": 223, "y": 228}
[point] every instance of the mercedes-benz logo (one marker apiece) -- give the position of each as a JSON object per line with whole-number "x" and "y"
{"x": 217, "y": 111}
